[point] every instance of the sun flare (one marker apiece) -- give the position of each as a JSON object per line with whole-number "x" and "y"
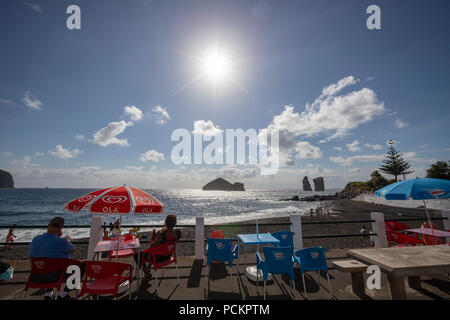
{"x": 216, "y": 64}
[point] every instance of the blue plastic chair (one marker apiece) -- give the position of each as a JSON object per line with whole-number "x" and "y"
{"x": 278, "y": 260}
{"x": 312, "y": 259}
{"x": 286, "y": 238}
{"x": 220, "y": 250}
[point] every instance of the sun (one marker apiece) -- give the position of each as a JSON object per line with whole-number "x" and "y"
{"x": 216, "y": 64}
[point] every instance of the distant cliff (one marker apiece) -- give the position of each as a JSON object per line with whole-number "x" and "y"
{"x": 6, "y": 180}
{"x": 223, "y": 185}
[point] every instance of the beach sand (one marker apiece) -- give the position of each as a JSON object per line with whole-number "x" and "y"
{"x": 341, "y": 210}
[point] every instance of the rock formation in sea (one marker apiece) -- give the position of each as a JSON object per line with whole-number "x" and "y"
{"x": 223, "y": 185}
{"x": 6, "y": 180}
{"x": 319, "y": 184}
{"x": 306, "y": 184}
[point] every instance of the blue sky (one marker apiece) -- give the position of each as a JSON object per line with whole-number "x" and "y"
{"x": 58, "y": 84}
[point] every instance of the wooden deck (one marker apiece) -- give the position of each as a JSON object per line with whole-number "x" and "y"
{"x": 193, "y": 284}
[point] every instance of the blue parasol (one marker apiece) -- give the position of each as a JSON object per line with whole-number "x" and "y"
{"x": 417, "y": 189}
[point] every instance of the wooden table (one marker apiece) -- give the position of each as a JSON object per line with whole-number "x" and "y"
{"x": 400, "y": 262}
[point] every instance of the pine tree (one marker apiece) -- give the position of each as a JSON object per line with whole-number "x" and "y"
{"x": 394, "y": 163}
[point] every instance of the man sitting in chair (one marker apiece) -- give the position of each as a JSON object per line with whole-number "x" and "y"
{"x": 51, "y": 245}
{"x": 166, "y": 234}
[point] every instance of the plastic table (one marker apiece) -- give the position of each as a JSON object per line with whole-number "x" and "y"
{"x": 111, "y": 245}
{"x": 255, "y": 239}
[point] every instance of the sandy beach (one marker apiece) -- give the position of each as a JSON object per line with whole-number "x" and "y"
{"x": 341, "y": 210}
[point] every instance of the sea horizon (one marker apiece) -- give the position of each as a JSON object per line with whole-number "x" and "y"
{"x": 36, "y": 206}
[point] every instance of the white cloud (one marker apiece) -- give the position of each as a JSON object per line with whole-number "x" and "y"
{"x": 35, "y": 7}
{"x": 307, "y": 151}
{"x": 338, "y": 134}
{"x": 235, "y": 172}
{"x": 400, "y": 124}
{"x": 39, "y": 154}
{"x": 24, "y": 164}
{"x": 411, "y": 156}
{"x": 6, "y": 154}
{"x": 79, "y": 137}
{"x": 151, "y": 155}
{"x": 373, "y": 146}
{"x": 353, "y": 147}
{"x": 354, "y": 170}
{"x": 6, "y": 101}
{"x": 62, "y": 153}
{"x": 331, "y": 113}
{"x": 160, "y": 114}
{"x": 134, "y": 168}
{"x": 32, "y": 102}
{"x": 362, "y": 158}
{"x": 337, "y": 149}
{"x": 133, "y": 112}
{"x": 206, "y": 128}
{"x": 107, "y": 135}
{"x": 336, "y": 87}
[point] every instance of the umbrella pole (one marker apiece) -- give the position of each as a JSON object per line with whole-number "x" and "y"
{"x": 428, "y": 216}
{"x": 118, "y": 235}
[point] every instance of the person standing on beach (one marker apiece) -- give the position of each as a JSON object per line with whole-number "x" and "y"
{"x": 51, "y": 245}
{"x": 10, "y": 237}
{"x": 311, "y": 213}
{"x": 363, "y": 231}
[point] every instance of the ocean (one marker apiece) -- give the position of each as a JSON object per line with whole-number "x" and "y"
{"x": 38, "y": 206}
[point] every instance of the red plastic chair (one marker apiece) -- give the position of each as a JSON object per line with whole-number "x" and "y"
{"x": 164, "y": 249}
{"x": 401, "y": 239}
{"x": 43, "y": 266}
{"x": 217, "y": 234}
{"x": 430, "y": 240}
{"x": 396, "y": 226}
{"x": 125, "y": 253}
{"x": 107, "y": 277}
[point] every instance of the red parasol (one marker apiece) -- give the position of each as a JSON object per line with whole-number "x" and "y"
{"x": 116, "y": 201}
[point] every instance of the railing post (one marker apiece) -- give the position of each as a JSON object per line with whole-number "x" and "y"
{"x": 378, "y": 227}
{"x": 296, "y": 227}
{"x": 95, "y": 235}
{"x": 199, "y": 237}
{"x": 446, "y": 222}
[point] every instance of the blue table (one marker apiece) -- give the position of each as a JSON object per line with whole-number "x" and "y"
{"x": 258, "y": 239}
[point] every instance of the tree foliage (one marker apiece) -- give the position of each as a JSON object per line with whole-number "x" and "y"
{"x": 439, "y": 170}
{"x": 394, "y": 163}
{"x": 377, "y": 181}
